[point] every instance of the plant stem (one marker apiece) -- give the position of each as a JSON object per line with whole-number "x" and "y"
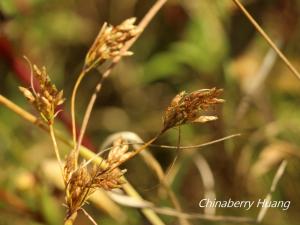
{"x": 87, "y": 114}
{"x": 73, "y": 100}
{"x": 21, "y": 112}
{"x": 267, "y": 38}
{"x": 56, "y": 150}
{"x": 182, "y": 220}
{"x": 71, "y": 219}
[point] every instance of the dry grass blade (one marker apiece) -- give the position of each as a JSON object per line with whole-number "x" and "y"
{"x": 128, "y": 201}
{"x": 256, "y": 82}
{"x": 207, "y": 179}
{"x": 275, "y": 181}
{"x": 197, "y": 216}
{"x": 271, "y": 156}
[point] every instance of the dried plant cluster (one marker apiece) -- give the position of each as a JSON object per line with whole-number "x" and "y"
{"x": 188, "y": 107}
{"x": 81, "y": 179}
{"x": 47, "y": 98}
{"x": 110, "y": 41}
{"x": 80, "y": 183}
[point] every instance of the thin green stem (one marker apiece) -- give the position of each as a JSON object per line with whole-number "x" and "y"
{"x": 56, "y": 150}
{"x": 73, "y": 100}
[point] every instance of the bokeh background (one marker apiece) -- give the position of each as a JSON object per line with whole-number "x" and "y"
{"x": 189, "y": 45}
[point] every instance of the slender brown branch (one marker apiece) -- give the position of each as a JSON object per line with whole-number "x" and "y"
{"x": 197, "y": 146}
{"x": 267, "y": 38}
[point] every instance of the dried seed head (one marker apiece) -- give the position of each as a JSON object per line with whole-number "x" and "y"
{"x": 69, "y": 167}
{"x": 186, "y": 108}
{"x": 47, "y": 98}
{"x": 78, "y": 188}
{"x": 108, "y": 179}
{"x": 81, "y": 182}
{"x": 110, "y": 41}
{"x": 119, "y": 152}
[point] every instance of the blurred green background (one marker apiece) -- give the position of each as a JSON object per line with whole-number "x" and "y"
{"x": 189, "y": 45}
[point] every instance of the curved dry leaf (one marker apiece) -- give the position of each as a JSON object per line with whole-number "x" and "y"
{"x": 271, "y": 155}
{"x": 129, "y": 201}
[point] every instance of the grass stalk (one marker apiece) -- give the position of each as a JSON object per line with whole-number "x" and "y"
{"x": 55, "y": 146}
{"x": 267, "y": 38}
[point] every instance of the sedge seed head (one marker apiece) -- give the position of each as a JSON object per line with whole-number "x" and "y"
{"x": 110, "y": 41}
{"x": 188, "y": 107}
{"x": 46, "y": 98}
{"x": 83, "y": 180}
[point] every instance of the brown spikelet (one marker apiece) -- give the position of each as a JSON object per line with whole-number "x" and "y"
{"x": 187, "y": 108}
{"x": 110, "y": 41}
{"x": 77, "y": 188}
{"x": 83, "y": 180}
{"x": 108, "y": 179}
{"x": 119, "y": 152}
{"x": 69, "y": 166}
{"x": 47, "y": 98}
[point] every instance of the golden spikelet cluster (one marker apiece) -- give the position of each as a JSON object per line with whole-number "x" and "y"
{"x": 81, "y": 182}
{"x": 47, "y": 98}
{"x": 110, "y": 41}
{"x": 187, "y": 107}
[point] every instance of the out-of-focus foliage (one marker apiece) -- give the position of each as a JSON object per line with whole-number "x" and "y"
{"x": 188, "y": 46}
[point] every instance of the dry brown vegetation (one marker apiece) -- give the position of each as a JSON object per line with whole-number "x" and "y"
{"x": 85, "y": 173}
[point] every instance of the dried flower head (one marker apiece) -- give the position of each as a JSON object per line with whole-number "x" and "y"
{"x": 47, "y": 98}
{"x": 81, "y": 182}
{"x": 77, "y": 188}
{"x": 119, "y": 153}
{"x": 110, "y": 41}
{"x": 186, "y": 108}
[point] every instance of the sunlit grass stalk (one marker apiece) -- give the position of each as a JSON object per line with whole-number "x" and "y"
{"x": 55, "y": 146}
{"x": 267, "y": 38}
{"x": 73, "y": 101}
